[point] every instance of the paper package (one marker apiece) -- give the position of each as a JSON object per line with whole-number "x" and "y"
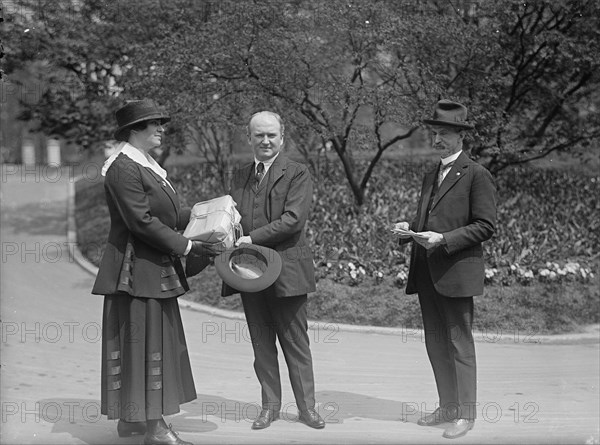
{"x": 215, "y": 221}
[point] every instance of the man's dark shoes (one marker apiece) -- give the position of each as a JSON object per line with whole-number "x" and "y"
{"x": 265, "y": 418}
{"x": 437, "y": 417}
{"x": 128, "y": 429}
{"x": 458, "y": 428}
{"x": 163, "y": 435}
{"x": 311, "y": 418}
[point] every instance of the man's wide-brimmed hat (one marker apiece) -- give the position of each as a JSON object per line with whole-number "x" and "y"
{"x": 135, "y": 111}
{"x": 448, "y": 113}
{"x": 249, "y": 268}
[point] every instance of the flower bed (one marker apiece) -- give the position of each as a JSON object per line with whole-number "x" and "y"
{"x": 541, "y": 265}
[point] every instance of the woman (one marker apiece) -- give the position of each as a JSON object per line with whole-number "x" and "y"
{"x": 146, "y": 370}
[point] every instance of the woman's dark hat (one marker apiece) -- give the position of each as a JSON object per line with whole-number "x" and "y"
{"x": 249, "y": 268}
{"x": 135, "y": 111}
{"x": 448, "y": 113}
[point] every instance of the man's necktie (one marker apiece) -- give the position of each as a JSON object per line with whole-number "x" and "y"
{"x": 444, "y": 169}
{"x": 260, "y": 172}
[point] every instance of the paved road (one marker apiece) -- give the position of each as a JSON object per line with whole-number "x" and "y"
{"x": 371, "y": 388}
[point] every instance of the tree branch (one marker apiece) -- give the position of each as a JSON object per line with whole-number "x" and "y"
{"x": 380, "y": 150}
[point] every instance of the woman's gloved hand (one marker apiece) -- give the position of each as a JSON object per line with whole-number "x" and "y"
{"x": 200, "y": 256}
{"x": 202, "y": 249}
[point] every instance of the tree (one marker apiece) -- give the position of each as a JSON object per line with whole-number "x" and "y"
{"x": 548, "y": 53}
{"x": 214, "y": 140}
{"x": 79, "y": 58}
{"x": 325, "y": 75}
{"x": 85, "y": 55}
{"x": 529, "y": 72}
{"x": 349, "y": 70}
{"x": 351, "y": 75}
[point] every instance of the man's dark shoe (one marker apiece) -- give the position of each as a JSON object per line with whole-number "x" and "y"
{"x": 164, "y": 436}
{"x": 265, "y": 418}
{"x": 128, "y": 429}
{"x": 437, "y": 417}
{"x": 311, "y": 418}
{"x": 459, "y": 428}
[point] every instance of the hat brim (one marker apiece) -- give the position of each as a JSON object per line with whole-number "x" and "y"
{"x": 249, "y": 268}
{"x": 463, "y": 126}
{"x": 162, "y": 116}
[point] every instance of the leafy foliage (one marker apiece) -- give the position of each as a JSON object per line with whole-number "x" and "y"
{"x": 354, "y": 76}
{"x": 362, "y": 271}
{"x": 543, "y": 215}
{"x": 532, "y": 74}
{"x": 78, "y": 57}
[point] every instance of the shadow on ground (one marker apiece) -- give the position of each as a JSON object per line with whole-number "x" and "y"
{"x": 81, "y": 418}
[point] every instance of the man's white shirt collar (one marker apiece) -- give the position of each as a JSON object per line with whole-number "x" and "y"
{"x": 451, "y": 158}
{"x": 266, "y": 163}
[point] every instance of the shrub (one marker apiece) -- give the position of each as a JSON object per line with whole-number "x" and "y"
{"x": 542, "y": 263}
{"x": 548, "y": 223}
{"x": 543, "y": 215}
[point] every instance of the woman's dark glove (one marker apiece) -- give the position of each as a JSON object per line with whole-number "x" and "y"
{"x": 200, "y": 256}
{"x": 201, "y": 249}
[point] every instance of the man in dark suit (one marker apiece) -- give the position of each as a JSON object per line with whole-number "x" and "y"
{"x": 273, "y": 195}
{"x": 456, "y": 213}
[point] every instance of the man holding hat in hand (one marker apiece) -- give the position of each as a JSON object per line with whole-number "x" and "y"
{"x": 455, "y": 215}
{"x": 273, "y": 195}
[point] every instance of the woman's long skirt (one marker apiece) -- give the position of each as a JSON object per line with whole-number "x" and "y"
{"x": 146, "y": 370}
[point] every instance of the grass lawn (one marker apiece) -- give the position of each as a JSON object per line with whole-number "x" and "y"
{"x": 529, "y": 310}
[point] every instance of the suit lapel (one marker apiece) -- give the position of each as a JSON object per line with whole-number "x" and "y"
{"x": 165, "y": 188}
{"x": 244, "y": 176}
{"x": 275, "y": 173}
{"x": 427, "y": 190}
{"x": 458, "y": 171}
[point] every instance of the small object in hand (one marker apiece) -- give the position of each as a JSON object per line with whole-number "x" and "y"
{"x": 403, "y": 232}
{"x": 215, "y": 221}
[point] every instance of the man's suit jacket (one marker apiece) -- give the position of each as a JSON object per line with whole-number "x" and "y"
{"x": 144, "y": 214}
{"x": 289, "y": 196}
{"x": 464, "y": 211}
